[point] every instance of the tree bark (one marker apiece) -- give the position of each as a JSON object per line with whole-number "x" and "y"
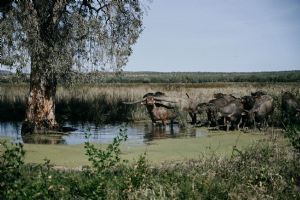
{"x": 40, "y": 113}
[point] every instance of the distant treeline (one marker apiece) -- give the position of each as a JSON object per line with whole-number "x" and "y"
{"x": 168, "y": 77}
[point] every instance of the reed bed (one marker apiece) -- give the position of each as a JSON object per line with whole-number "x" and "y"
{"x": 102, "y": 103}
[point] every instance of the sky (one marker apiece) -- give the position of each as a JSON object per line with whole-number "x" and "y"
{"x": 219, "y": 36}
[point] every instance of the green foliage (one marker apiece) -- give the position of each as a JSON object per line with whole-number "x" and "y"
{"x": 99, "y": 33}
{"x": 105, "y": 159}
{"x": 292, "y": 132}
{"x": 11, "y": 161}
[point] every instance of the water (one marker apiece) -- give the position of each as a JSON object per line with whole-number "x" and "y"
{"x": 138, "y": 133}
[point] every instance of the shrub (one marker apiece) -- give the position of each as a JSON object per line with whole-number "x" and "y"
{"x": 11, "y": 161}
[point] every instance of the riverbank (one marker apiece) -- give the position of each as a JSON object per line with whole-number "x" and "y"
{"x": 218, "y": 143}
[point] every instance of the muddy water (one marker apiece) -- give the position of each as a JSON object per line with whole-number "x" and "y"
{"x": 141, "y": 133}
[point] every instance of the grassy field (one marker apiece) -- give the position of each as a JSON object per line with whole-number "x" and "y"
{"x": 217, "y": 142}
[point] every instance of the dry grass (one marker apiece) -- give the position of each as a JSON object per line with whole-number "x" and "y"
{"x": 203, "y": 92}
{"x": 110, "y": 96}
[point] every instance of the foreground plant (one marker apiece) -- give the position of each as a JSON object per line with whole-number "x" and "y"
{"x": 103, "y": 159}
{"x": 11, "y": 162}
{"x": 292, "y": 132}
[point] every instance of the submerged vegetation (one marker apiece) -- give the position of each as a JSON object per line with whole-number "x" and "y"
{"x": 265, "y": 170}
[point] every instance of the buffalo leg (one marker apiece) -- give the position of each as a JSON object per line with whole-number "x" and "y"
{"x": 194, "y": 118}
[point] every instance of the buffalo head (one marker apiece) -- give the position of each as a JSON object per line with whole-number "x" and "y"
{"x": 157, "y": 98}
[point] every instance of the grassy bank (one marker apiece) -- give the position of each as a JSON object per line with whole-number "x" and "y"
{"x": 218, "y": 143}
{"x": 103, "y": 103}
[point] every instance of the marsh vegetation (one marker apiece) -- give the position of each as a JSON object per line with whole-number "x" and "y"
{"x": 102, "y": 103}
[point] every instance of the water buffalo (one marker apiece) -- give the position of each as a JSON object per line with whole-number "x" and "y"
{"x": 227, "y": 97}
{"x": 180, "y": 104}
{"x": 258, "y": 93}
{"x": 157, "y": 109}
{"x": 290, "y": 107}
{"x": 231, "y": 114}
{"x": 248, "y": 102}
{"x": 261, "y": 110}
{"x": 213, "y": 105}
{"x": 158, "y": 112}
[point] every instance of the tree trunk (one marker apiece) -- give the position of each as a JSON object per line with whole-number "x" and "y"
{"x": 40, "y": 113}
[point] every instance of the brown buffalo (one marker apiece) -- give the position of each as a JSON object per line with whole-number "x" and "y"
{"x": 184, "y": 104}
{"x": 231, "y": 114}
{"x": 157, "y": 110}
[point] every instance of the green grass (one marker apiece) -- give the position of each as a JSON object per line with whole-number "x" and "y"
{"x": 219, "y": 143}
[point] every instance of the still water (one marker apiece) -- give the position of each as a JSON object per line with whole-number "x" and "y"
{"x": 142, "y": 133}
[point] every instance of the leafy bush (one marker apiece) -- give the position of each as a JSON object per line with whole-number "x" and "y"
{"x": 105, "y": 159}
{"x": 11, "y": 161}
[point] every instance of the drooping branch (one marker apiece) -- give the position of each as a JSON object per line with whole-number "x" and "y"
{"x": 5, "y": 7}
{"x": 88, "y": 4}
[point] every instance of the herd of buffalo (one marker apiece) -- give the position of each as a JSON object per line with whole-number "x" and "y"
{"x": 224, "y": 110}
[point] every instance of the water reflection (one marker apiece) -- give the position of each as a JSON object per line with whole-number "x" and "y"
{"x": 43, "y": 139}
{"x": 11, "y": 130}
{"x": 161, "y": 132}
{"x": 138, "y": 133}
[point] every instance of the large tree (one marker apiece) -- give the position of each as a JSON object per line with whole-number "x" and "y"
{"x": 55, "y": 37}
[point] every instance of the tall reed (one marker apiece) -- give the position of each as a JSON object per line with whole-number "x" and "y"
{"x": 102, "y": 103}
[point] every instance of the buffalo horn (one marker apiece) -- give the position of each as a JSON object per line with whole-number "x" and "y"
{"x": 135, "y": 102}
{"x": 160, "y": 99}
